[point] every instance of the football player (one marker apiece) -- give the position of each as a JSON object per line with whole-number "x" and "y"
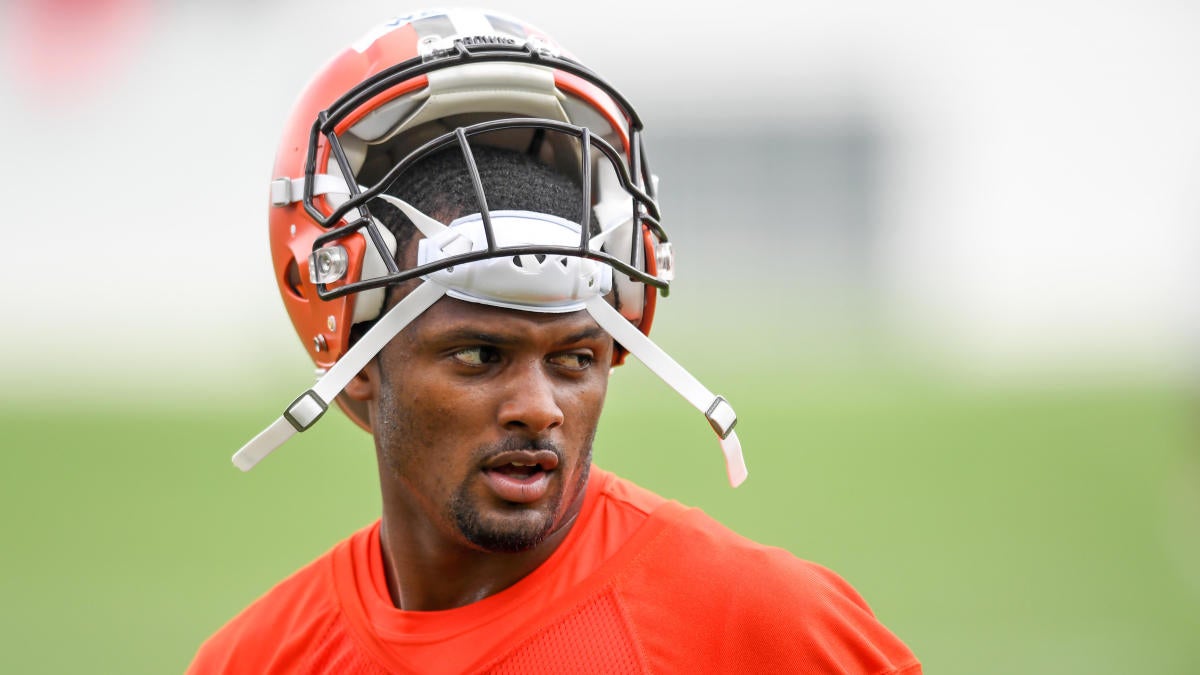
{"x": 465, "y": 235}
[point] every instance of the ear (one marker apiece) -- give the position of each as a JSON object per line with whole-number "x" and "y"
{"x": 356, "y": 397}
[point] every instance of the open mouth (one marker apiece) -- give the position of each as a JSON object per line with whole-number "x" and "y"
{"x": 518, "y": 470}
{"x": 520, "y": 476}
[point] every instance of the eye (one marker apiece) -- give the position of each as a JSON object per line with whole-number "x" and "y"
{"x": 477, "y": 356}
{"x": 572, "y": 360}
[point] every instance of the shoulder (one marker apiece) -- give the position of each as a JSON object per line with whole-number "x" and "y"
{"x": 616, "y": 494}
{"x": 756, "y": 607}
{"x": 278, "y": 629}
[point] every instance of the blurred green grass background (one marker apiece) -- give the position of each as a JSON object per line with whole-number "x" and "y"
{"x": 939, "y": 173}
{"x": 1033, "y": 529}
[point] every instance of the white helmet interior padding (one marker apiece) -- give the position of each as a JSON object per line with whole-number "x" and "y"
{"x": 549, "y": 283}
{"x": 613, "y": 213}
{"x": 526, "y": 91}
{"x": 369, "y": 303}
{"x": 458, "y": 97}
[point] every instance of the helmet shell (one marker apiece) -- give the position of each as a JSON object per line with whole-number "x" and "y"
{"x": 383, "y": 55}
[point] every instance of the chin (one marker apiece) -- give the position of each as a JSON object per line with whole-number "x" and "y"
{"x": 507, "y": 533}
{"x": 498, "y": 526}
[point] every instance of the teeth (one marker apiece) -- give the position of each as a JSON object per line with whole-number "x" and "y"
{"x": 520, "y": 464}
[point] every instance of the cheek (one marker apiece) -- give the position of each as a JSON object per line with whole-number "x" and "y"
{"x": 391, "y": 425}
{"x": 585, "y": 404}
{"x": 421, "y": 423}
{"x": 405, "y": 422}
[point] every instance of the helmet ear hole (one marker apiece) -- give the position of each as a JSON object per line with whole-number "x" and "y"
{"x": 291, "y": 279}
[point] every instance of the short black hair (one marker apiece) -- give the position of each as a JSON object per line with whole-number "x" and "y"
{"x": 440, "y": 186}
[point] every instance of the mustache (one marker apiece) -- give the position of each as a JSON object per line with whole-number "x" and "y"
{"x": 512, "y": 443}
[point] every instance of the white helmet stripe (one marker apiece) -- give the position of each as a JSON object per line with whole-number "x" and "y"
{"x": 469, "y": 22}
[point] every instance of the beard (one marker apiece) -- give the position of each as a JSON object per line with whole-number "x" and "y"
{"x": 502, "y": 537}
{"x": 528, "y": 527}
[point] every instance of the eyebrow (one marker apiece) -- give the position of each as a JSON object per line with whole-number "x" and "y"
{"x": 589, "y": 333}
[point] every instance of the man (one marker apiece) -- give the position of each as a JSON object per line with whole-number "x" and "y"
{"x": 462, "y": 295}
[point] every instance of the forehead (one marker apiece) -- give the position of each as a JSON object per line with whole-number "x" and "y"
{"x": 453, "y": 317}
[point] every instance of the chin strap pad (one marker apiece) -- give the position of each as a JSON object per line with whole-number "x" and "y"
{"x": 309, "y": 406}
{"x": 718, "y": 411}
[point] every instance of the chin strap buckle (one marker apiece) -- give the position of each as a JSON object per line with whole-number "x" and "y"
{"x": 305, "y": 410}
{"x": 721, "y": 416}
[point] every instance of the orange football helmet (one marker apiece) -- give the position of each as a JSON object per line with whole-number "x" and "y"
{"x": 406, "y": 82}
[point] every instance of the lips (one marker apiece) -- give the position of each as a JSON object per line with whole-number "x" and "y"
{"x": 520, "y": 476}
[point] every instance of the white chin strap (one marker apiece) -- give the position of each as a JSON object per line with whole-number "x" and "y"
{"x": 308, "y": 408}
{"x": 718, "y": 411}
{"x": 536, "y": 283}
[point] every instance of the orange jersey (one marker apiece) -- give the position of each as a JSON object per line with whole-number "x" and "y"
{"x": 640, "y": 584}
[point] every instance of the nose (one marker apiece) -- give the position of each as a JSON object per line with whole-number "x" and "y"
{"x": 530, "y": 402}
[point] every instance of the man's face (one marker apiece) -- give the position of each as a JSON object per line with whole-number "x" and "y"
{"x": 484, "y": 419}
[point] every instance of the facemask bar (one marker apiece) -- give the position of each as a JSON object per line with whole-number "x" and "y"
{"x": 644, "y": 210}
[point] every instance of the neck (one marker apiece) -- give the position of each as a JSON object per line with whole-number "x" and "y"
{"x": 427, "y": 572}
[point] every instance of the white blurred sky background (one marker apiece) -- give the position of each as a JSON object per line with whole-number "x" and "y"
{"x": 1012, "y": 186}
